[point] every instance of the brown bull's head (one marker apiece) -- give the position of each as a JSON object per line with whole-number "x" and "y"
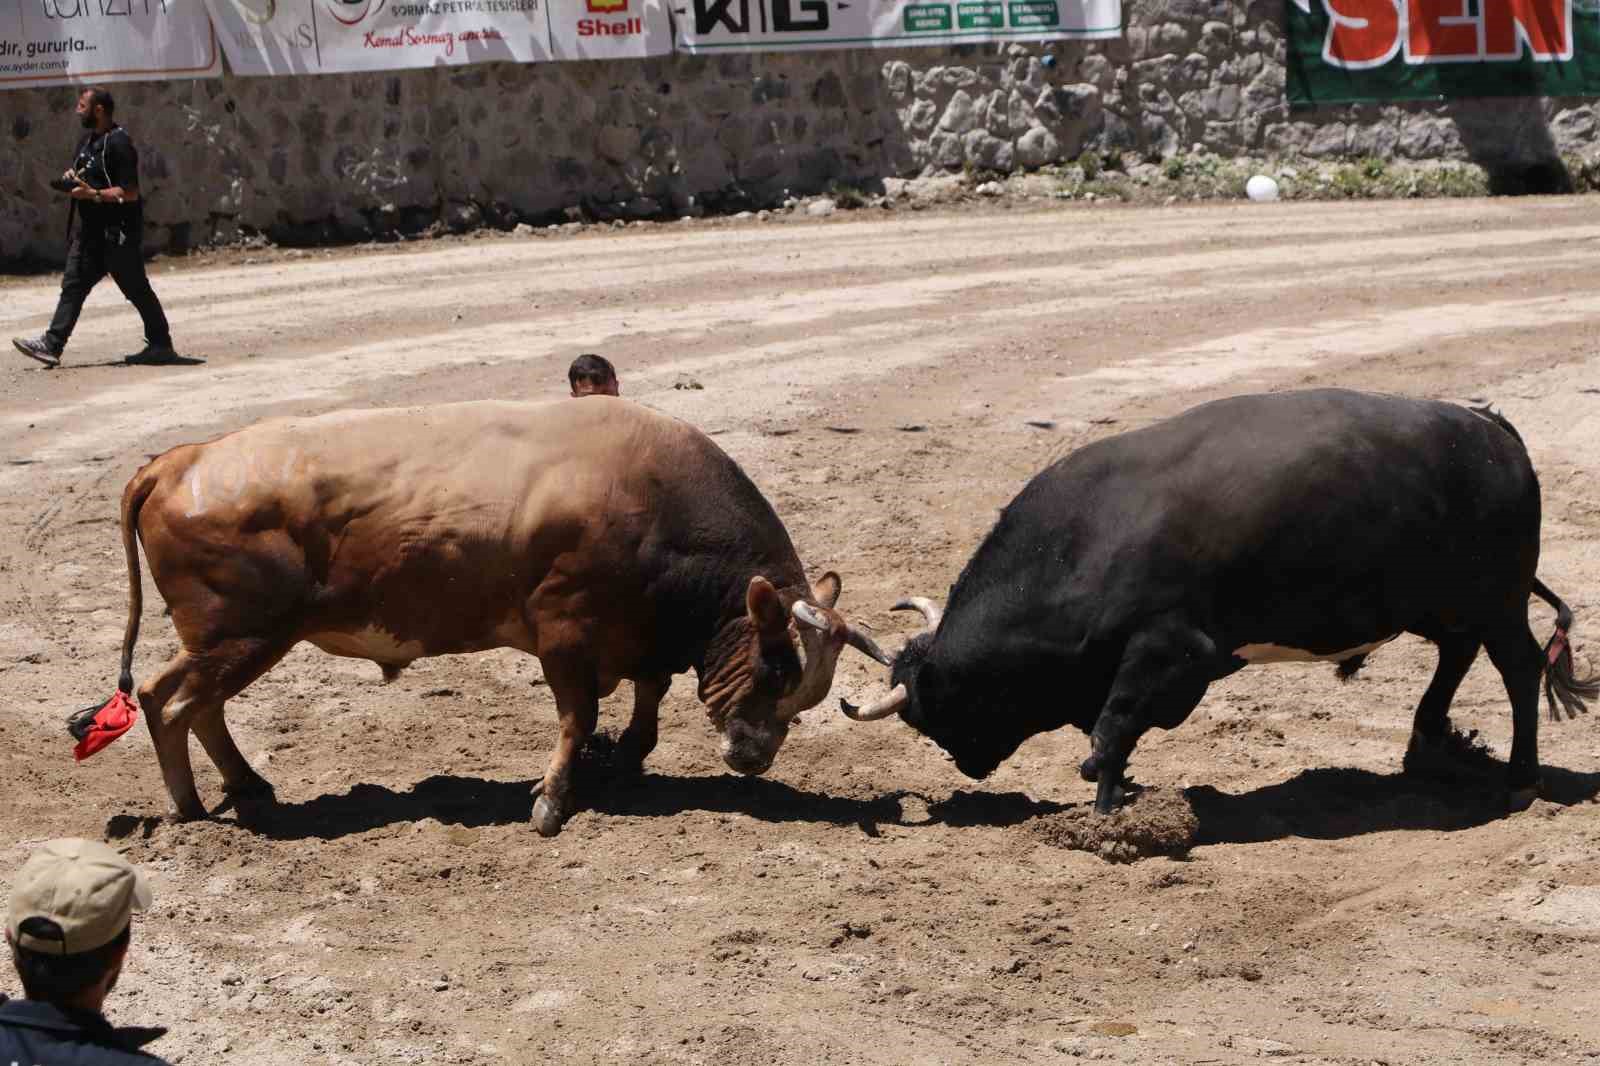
{"x": 754, "y": 682}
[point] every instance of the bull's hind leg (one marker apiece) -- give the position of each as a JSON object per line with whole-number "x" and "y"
{"x": 239, "y": 778}
{"x": 1429, "y": 751}
{"x": 1521, "y": 663}
{"x": 189, "y": 695}
{"x": 578, "y": 702}
{"x": 1162, "y": 677}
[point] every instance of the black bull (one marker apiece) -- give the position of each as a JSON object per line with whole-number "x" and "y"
{"x": 1128, "y": 576}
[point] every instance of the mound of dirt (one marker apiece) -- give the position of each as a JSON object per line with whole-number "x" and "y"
{"x": 1155, "y": 821}
{"x": 1455, "y": 756}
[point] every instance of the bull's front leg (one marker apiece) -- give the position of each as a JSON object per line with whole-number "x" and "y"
{"x": 639, "y": 739}
{"x": 578, "y": 703}
{"x": 1163, "y": 674}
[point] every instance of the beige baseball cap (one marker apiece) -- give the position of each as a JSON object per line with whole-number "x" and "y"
{"x": 81, "y": 887}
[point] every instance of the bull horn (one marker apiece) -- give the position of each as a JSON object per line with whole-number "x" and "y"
{"x": 893, "y": 703}
{"x": 807, "y": 615}
{"x": 931, "y": 613}
{"x": 865, "y": 645}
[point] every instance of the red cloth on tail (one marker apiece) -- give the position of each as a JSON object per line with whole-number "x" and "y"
{"x": 1558, "y": 644}
{"x": 109, "y": 721}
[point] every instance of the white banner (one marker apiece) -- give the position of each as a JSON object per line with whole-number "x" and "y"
{"x": 609, "y": 29}
{"x": 709, "y": 26}
{"x": 84, "y": 42}
{"x": 330, "y": 36}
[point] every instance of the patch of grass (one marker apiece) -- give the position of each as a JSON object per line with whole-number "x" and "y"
{"x": 847, "y": 196}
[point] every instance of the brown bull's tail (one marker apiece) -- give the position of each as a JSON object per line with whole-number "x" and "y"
{"x": 133, "y": 498}
{"x": 1562, "y": 685}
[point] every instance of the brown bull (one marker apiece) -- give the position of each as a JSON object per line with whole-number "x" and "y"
{"x": 608, "y": 540}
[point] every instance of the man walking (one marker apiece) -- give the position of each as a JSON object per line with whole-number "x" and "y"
{"x": 68, "y": 926}
{"x": 104, "y": 185}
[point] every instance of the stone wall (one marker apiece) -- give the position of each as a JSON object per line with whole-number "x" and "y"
{"x": 350, "y": 156}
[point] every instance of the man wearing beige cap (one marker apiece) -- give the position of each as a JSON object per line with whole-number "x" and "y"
{"x": 69, "y": 922}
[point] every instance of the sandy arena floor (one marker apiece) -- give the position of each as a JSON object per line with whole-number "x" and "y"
{"x": 863, "y": 903}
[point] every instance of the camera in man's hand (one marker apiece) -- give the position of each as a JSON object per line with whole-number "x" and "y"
{"x": 63, "y": 184}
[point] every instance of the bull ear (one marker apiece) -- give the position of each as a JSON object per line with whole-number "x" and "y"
{"x": 826, "y": 589}
{"x": 766, "y": 610}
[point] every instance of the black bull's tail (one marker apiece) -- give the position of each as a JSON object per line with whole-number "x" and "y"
{"x": 133, "y": 498}
{"x": 1563, "y": 689}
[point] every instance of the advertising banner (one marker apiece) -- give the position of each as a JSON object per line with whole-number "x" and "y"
{"x": 340, "y": 36}
{"x": 609, "y": 29}
{"x": 706, "y": 26}
{"x": 1355, "y": 51}
{"x": 329, "y": 36}
{"x": 65, "y": 42}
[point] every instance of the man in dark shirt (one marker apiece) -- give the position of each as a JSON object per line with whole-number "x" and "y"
{"x": 104, "y": 182}
{"x": 68, "y": 926}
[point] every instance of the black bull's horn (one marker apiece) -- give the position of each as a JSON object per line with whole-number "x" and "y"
{"x": 894, "y": 701}
{"x": 883, "y": 707}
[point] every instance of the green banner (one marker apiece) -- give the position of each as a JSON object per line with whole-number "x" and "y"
{"x": 1355, "y": 51}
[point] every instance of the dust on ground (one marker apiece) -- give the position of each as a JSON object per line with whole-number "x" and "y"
{"x": 889, "y": 381}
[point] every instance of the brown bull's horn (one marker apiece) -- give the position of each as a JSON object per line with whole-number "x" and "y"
{"x": 893, "y": 703}
{"x": 865, "y": 645}
{"x": 931, "y": 613}
{"x": 808, "y": 615}
{"x": 854, "y": 636}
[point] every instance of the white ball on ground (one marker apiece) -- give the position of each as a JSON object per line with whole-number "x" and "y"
{"x": 1261, "y": 189}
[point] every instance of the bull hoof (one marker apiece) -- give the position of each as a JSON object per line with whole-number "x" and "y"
{"x": 186, "y": 812}
{"x": 1108, "y": 796}
{"x": 256, "y": 787}
{"x": 629, "y": 762}
{"x": 1451, "y": 757}
{"x": 547, "y": 817}
{"x": 1520, "y": 799}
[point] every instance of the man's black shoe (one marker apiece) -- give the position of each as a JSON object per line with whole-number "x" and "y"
{"x": 152, "y": 355}
{"x": 39, "y": 350}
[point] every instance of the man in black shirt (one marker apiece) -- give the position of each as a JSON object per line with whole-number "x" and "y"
{"x": 104, "y": 180}
{"x": 68, "y": 927}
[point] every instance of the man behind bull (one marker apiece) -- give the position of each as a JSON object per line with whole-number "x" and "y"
{"x": 104, "y": 185}
{"x": 592, "y": 375}
{"x": 68, "y": 926}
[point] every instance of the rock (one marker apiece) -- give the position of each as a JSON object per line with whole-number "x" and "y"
{"x": 1275, "y": 1049}
{"x": 523, "y": 230}
{"x": 960, "y": 114}
{"x": 990, "y": 188}
{"x": 1037, "y": 147}
{"x": 821, "y": 208}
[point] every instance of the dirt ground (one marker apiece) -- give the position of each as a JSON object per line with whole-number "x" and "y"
{"x": 880, "y": 377}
